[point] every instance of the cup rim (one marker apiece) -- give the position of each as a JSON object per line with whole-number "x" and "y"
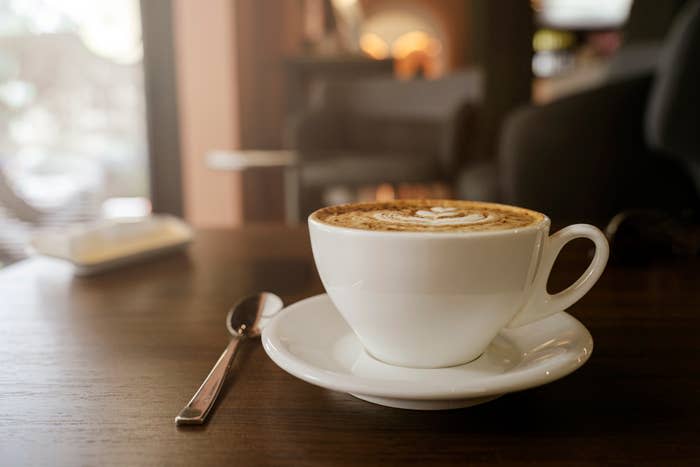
{"x": 545, "y": 222}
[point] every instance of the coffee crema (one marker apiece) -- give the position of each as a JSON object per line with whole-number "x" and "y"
{"x": 427, "y": 216}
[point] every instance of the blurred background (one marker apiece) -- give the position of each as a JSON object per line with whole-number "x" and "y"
{"x": 230, "y": 112}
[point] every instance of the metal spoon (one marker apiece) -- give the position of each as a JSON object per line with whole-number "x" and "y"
{"x": 245, "y": 320}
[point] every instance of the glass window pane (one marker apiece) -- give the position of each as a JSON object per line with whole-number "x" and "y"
{"x": 72, "y": 112}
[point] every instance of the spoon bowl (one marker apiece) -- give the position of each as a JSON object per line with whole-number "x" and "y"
{"x": 245, "y": 320}
{"x": 248, "y": 316}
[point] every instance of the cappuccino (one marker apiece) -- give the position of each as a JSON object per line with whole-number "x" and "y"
{"x": 427, "y": 216}
{"x": 431, "y": 283}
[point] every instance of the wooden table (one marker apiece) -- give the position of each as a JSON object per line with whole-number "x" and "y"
{"x": 93, "y": 370}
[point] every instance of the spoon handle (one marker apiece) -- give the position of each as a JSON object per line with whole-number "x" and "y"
{"x": 197, "y": 409}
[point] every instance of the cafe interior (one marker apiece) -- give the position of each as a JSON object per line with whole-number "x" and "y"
{"x": 227, "y": 123}
{"x": 235, "y": 113}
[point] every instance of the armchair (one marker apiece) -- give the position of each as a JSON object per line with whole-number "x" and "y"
{"x": 383, "y": 130}
{"x": 629, "y": 142}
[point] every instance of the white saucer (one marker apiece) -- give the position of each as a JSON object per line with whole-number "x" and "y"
{"x": 310, "y": 340}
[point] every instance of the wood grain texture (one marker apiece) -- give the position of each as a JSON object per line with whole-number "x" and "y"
{"x": 93, "y": 371}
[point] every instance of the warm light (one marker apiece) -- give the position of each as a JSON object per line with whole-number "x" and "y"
{"x": 548, "y": 39}
{"x": 415, "y": 41}
{"x": 374, "y": 46}
{"x": 385, "y": 192}
{"x": 583, "y": 14}
{"x": 344, "y": 3}
{"x": 408, "y": 36}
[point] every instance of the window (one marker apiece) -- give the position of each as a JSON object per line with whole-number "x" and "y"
{"x": 72, "y": 115}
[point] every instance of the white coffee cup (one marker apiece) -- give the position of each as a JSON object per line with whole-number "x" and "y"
{"x": 437, "y": 299}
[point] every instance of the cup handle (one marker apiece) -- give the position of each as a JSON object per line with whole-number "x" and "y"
{"x": 541, "y": 304}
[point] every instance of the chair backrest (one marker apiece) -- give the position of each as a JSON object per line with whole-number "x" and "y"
{"x": 673, "y": 114}
{"x": 415, "y": 118}
{"x": 392, "y": 98}
{"x": 644, "y": 33}
{"x": 650, "y": 20}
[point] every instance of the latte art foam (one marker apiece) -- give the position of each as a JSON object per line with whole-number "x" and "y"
{"x": 436, "y": 216}
{"x": 427, "y": 216}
